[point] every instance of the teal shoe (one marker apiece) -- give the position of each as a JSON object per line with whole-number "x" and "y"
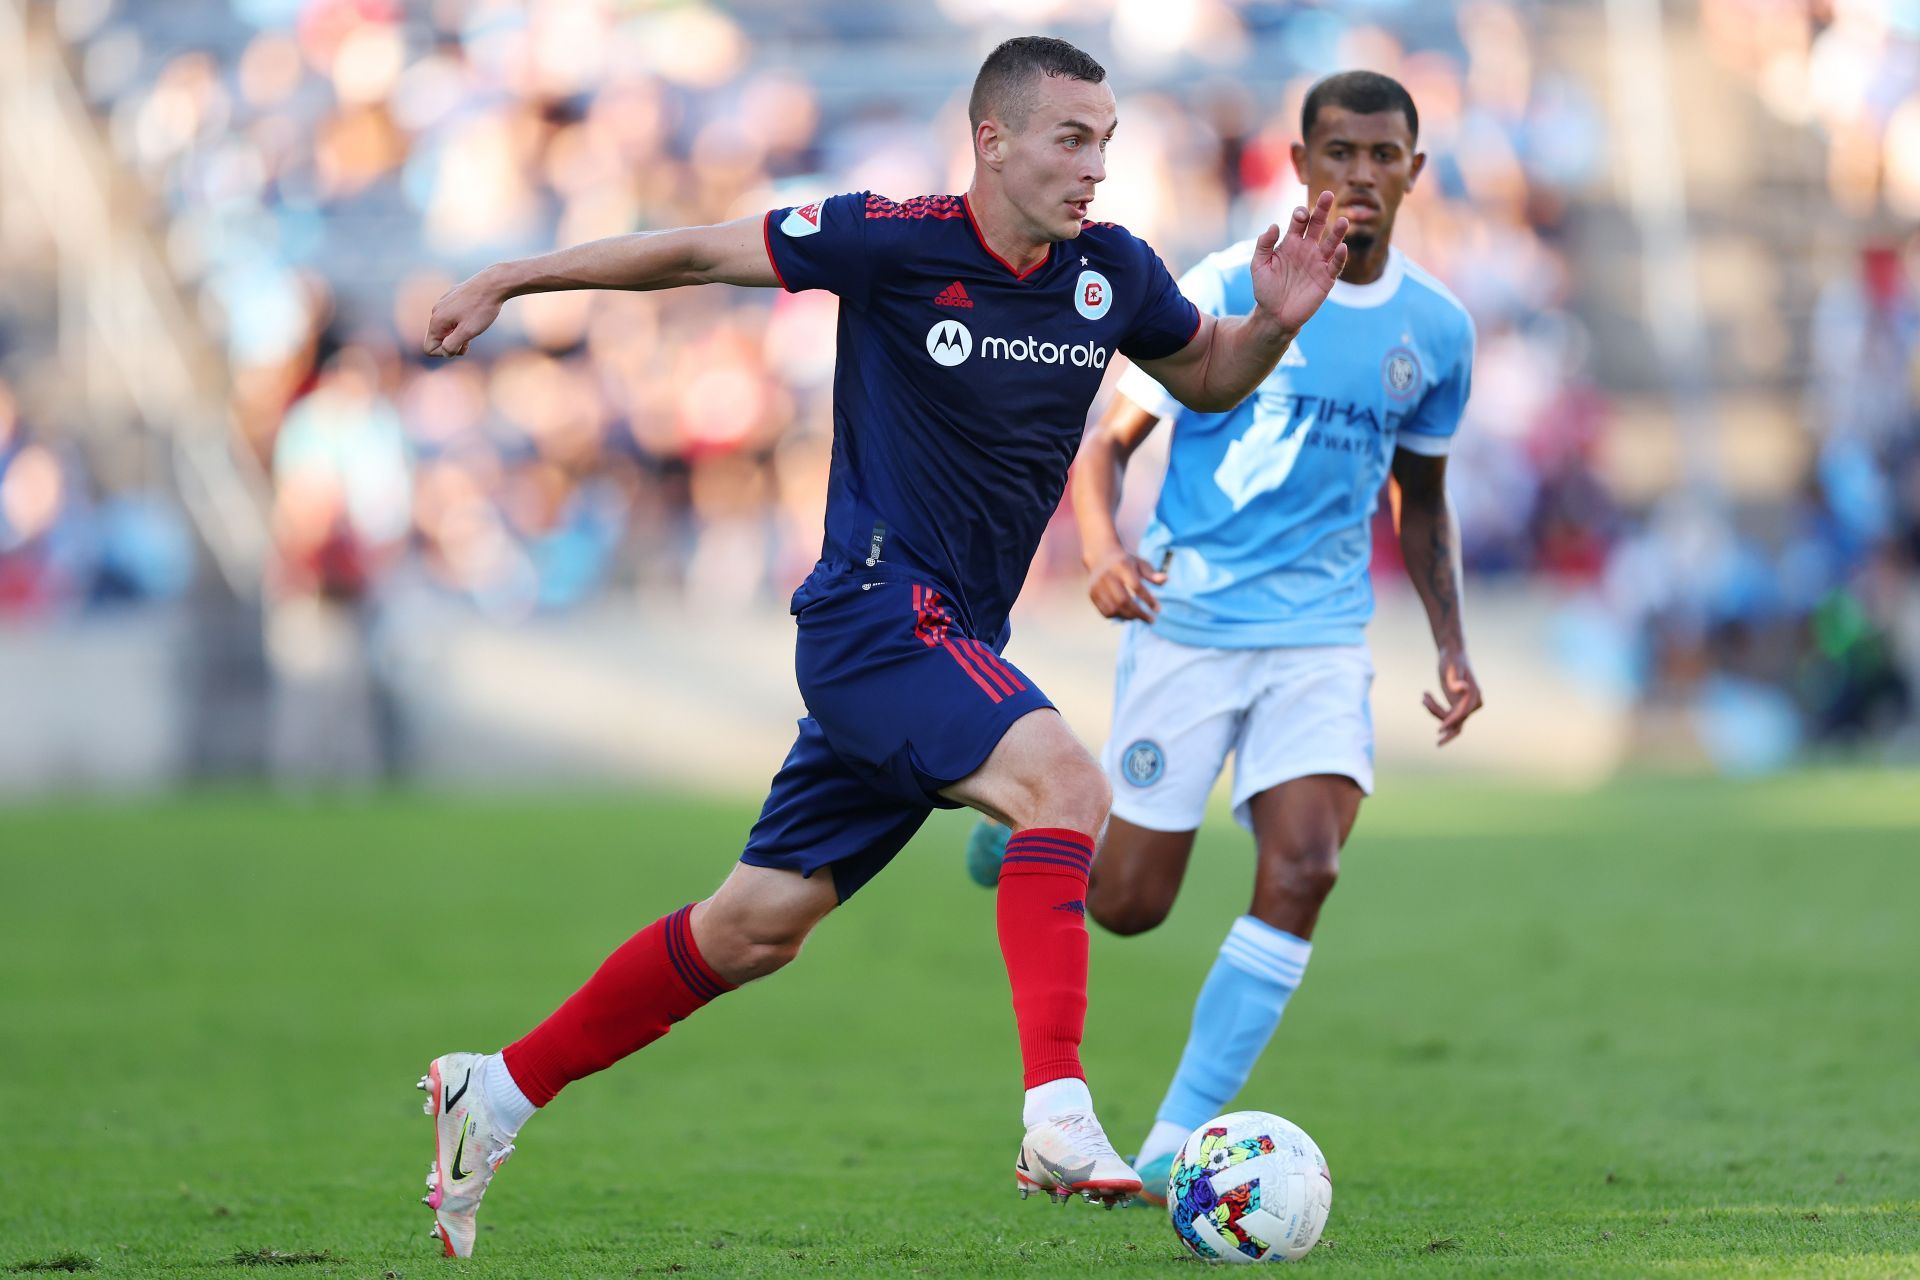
{"x": 986, "y": 845}
{"x": 1154, "y": 1177}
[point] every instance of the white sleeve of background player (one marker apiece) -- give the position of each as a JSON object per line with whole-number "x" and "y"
{"x": 1430, "y": 429}
{"x": 1137, "y": 385}
{"x": 1205, "y": 288}
{"x": 1425, "y": 446}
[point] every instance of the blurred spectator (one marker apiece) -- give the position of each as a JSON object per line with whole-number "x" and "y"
{"x": 64, "y": 546}
{"x": 342, "y": 511}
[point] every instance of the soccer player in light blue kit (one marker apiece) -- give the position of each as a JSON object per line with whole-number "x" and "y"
{"x": 1248, "y": 600}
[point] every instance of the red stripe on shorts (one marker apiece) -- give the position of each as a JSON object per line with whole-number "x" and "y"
{"x": 967, "y": 667}
{"x": 1000, "y": 671}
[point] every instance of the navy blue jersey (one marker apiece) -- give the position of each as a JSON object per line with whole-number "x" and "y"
{"x": 962, "y": 387}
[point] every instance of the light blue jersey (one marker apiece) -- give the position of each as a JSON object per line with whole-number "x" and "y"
{"x": 1264, "y": 519}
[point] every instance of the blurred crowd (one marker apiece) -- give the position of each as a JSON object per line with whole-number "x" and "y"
{"x": 1792, "y": 625}
{"x": 1849, "y": 67}
{"x": 68, "y": 543}
{"x": 320, "y": 170}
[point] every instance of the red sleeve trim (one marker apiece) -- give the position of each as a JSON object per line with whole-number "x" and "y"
{"x": 941, "y": 207}
{"x": 766, "y": 235}
{"x": 1199, "y": 317}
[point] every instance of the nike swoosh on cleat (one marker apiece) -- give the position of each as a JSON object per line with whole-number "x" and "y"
{"x": 456, "y": 1172}
{"x": 1066, "y": 1177}
{"x": 447, "y": 1104}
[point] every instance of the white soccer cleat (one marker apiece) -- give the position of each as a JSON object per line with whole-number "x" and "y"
{"x": 1070, "y": 1155}
{"x": 467, "y": 1149}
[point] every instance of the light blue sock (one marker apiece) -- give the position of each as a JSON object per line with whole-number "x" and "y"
{"x": 1240, "y": 1004}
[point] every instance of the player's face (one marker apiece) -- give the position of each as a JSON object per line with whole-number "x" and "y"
{"x": 1369, "y": 164}
{"x": 1050, "y": 169}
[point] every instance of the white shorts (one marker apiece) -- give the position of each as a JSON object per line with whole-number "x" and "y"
{"x": 1179, "y": 709}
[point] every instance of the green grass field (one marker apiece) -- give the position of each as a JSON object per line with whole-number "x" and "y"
{"x": 1663, "y": 1028}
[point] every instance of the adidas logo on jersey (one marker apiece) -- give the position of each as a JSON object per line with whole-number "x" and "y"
{"x": 1294, "y": 359}
{"x": 954, "y": 295}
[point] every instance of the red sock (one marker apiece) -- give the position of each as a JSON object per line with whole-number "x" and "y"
{"x": 655, "y": 979}
{"x": 1042, "y": 914}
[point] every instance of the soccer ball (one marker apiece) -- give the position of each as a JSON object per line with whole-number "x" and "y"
{"x": 1249, "y": 1187}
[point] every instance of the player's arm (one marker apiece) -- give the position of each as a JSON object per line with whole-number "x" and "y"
{"x": 730, "y": 253}
{"x": 1116, "y": 578}
{"x": 1430, "y": 547}
{"x": 1292, "y": 274}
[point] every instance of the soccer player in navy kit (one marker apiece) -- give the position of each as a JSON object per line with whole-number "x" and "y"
{"x": 973, "y": 334}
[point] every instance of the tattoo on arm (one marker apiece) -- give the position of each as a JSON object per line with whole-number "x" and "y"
{"x": 1430, "y": 543}
{"x": 1443, "y": 585}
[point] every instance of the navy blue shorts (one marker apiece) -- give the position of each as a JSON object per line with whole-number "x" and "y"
{"x": 903, "y": 702}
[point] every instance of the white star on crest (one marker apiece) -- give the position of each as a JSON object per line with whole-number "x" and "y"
{"x": 1083, "y": 261}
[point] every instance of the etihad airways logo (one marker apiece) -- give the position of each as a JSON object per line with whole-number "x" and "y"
{"x": 950, "y": 343}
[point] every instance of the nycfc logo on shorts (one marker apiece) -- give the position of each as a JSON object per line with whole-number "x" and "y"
{"x": 1401, "y": 372}
{"x": 1142, "y": 764}
{"x": 949, "y": 343}
{"x": 1092, "y": 295}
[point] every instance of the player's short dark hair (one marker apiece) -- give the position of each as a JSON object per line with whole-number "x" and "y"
{"x": 1361, "y": 92}
{"x": 1004, "y": 85}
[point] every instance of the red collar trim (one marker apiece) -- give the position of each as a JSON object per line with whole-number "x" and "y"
{"x": 1047, "y": 257}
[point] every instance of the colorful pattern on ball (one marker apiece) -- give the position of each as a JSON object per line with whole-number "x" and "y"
{"x": 1193, "y": 1195}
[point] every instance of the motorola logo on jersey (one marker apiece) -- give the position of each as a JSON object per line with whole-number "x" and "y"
{"x": 1081, "y": 355}
{"x": 949, "y": 343}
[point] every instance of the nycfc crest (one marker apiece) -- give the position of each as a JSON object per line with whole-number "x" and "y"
{"x": 1142, "y": 764}
{"x": 1400, "y": 371}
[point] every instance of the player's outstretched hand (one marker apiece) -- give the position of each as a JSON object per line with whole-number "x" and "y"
{"x": 462, "y": 314}
{"x": 1117, "y": 586}
{"x": 1292, "y": 273}
{"x": 1462, "y": 692}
